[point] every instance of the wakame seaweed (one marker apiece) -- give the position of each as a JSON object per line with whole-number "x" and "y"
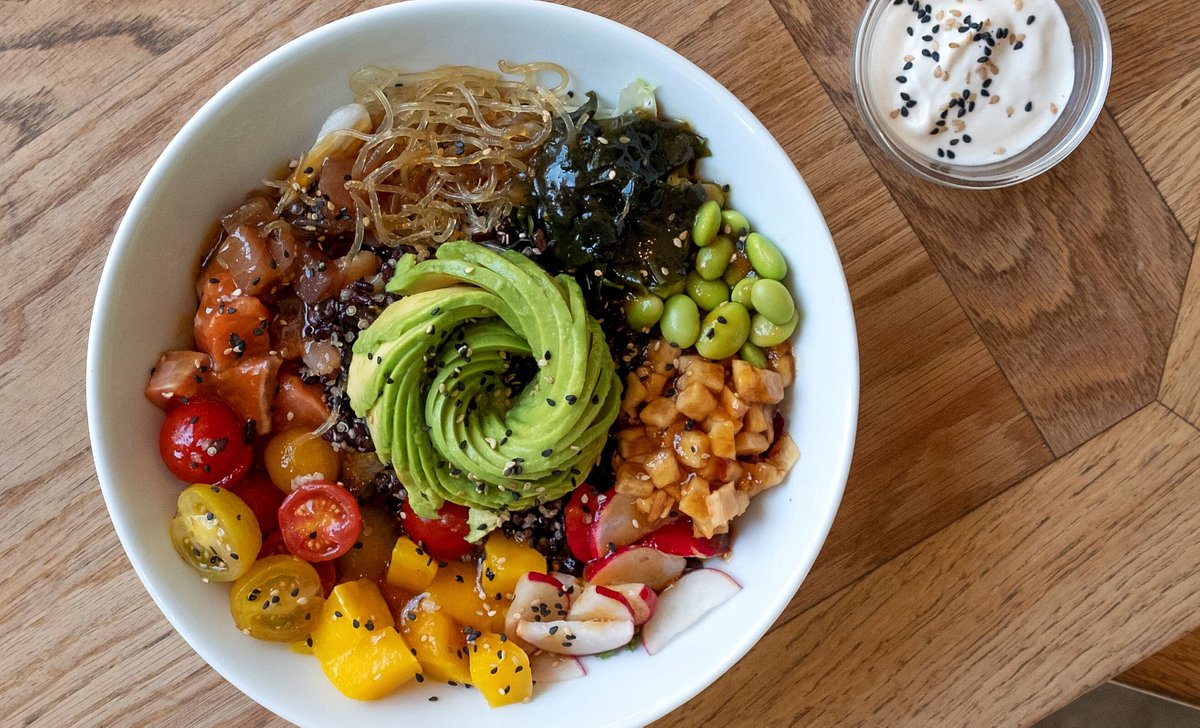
{"x": 607, "y": 198}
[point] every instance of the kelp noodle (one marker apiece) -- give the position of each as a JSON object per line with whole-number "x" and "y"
{"x": 448, "y": 146}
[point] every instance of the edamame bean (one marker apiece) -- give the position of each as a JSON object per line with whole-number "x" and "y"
{"x": 714, "y": 192}
{"x": 707, "y": 223}
{"x": 707, "y": 294}
{"x": 743, "y": 289}
{"x": 753, "y": 355}
{"x": 670, "y": 289}
{"x": 768, "y": 262}
{"x": 712, "y": 261}
{"x": 764, "y": 333}
{"x": 773, "y": 300}
{"x": 724, "y": 331}
{"x": 642, "y": 312}
{"x": 734, "y": 223}
{"x": 680, "y": 324}
{"x": 739, "y": 268}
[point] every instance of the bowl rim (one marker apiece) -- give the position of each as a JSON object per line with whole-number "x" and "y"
{"x": 142, "y": 200}
{"x": 984, "y": 179}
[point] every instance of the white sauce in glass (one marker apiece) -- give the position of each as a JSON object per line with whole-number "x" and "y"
{"x": 976, "y": 96}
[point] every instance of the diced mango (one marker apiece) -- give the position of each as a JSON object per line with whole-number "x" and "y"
{"x": 352, "y": 613}
{"x": 374, "y": 667}
{"x": 505, "y": 561}
{"x": 410, "y": 568}
{"x": 500, "y": 669}
{"x": 438, "y": 640}
{"x": 455, "y": 590}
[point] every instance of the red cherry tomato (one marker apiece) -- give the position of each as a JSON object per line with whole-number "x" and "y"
{"x": 443, "y": 537}
{"x": 578, "y": 518}
{"x": 273, "y": 545}
{"x": 264, "y": 499}
{"x": 319, "y": 521}
{"x": 204, "y": 442}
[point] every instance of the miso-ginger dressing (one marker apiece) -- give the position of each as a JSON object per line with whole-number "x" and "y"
{"x": 971, "y": 82}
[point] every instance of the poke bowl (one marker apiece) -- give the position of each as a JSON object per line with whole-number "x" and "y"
{"x": 595, "y": 333}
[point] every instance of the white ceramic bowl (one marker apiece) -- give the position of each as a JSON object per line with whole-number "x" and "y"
{"x": 268, "y": 113}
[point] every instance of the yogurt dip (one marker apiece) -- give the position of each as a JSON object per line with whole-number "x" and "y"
{"x": 971, "y": 82}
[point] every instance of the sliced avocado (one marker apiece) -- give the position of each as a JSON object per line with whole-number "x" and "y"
{"x": 432, "y": 376}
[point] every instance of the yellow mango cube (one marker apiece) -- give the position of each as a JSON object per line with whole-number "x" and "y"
{"x": 500, "y": 669}
{"x": 374, "y": 667}
{"x": 352, "y": 613}
{"x": 410, "y": 568}
{"x": 505, "y": 561}
{"x": 455, "y": 590}
{"x": 439, "y": 641}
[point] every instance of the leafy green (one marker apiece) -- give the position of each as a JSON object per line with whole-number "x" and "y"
{"x": 607, "y": 198}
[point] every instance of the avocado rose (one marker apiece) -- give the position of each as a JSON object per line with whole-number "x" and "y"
{"x": 440, "y": 379}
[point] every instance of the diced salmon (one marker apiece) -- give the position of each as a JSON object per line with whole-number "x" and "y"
{"x": 298, "y": 404}
{"x": 229, "y": 328}
{"x": 247, "y": 256}
{"x": 248, "y": 386}
{"x": 332, "y": 183}
{"x": 178, "y": 376}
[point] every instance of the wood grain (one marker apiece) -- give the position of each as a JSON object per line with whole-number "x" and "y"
{"x": 1007, "y": 614}
{"x": 939, "y": 574}
{"x": 1181, "y": 378}
{"x": 1078, "y": 319}
{"x": 1153, "y": 46}
{"x": 1164, "y": 129}
{"x": 1174, "y": 672}
{"x": 42, "y": 46}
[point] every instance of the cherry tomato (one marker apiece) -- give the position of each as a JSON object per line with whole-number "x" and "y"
{"x": 443, "y": 537}
{"x": 577, "y": 522}
{"x": 372, "y": 552}
{"x": 295, "y": 456}
{"x": 319, "y": 521}
{"x": 204, "y": 442}
{"x": 276, "y": 599}
{"x": 273, "y": 545}
{"x": 215, "y": 532}
{"x": 264, "y": 499}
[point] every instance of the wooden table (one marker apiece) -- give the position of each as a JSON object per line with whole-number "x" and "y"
{"x": 1022, "y": 521}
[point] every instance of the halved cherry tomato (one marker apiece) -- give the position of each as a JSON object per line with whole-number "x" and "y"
{"x": 276, "y": 600}
{"x": 443, "y": 537}
{"x": 204, "y": 442}
{"x": 258, "y": 492}
{"x": 319, "y": 521}
{"x": 273, "y": 545}
{"x": 215, "y": 532}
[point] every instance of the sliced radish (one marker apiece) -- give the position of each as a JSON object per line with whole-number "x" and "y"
{"x": 567, "y": 637}
{"x": 548, "y": 667}
{"x": 640, "y": 598}
{"x": 571, "y": 584}
{"x": 677, "y": 538}
{"x": 636, "y": 564}
{"x": 617, "y": 523}
{"x": 689, "y": 599}
{"x": 600, "y": 602}
{"x": 535, "y": 598}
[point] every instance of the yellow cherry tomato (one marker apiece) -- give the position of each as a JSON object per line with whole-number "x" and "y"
{"x": 215, "y": 532}
{"x": 296, "y": 456}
